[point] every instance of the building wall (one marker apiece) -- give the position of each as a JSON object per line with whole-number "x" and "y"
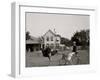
{"x": 53, "y": 40}
{"x": 58, "y": 40}
{"x": 32, "y": 47}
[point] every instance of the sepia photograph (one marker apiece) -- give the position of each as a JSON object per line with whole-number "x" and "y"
{"x": 56, "y": 39}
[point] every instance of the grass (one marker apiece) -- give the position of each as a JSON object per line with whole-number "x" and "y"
{"x": 35, "y": 59}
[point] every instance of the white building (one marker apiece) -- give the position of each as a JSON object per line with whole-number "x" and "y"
{"x": 51, "y": 39}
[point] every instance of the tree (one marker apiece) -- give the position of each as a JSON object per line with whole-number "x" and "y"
{"x": 65, "y": 41}
{"x": 28, "y": 35}
{"x": 81, "y": 38}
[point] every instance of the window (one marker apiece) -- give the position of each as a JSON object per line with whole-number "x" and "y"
{"x": 57, "y": 45}
{"x": 51, "y": 38}
{"x": 57, "y": 39}
{"x": 47, "y": 45}
{"x": 47, "y": 38}
{"x": 52, "y": 46}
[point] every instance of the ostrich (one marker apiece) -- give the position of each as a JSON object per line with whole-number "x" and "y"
{"x": 47, "y": 52}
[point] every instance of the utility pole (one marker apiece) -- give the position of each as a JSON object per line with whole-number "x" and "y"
{"x": 55, "y": 38}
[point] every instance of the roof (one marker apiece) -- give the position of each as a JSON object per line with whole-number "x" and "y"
{"x": 49, "y": 31}
{"x": 52, "y": 33}
{"x": 58, "y": 35}
{"x": 33, "y": 40}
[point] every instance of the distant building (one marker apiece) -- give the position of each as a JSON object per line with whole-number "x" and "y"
{"x": 33, "y": 44}
{"x": 51, "y": 39}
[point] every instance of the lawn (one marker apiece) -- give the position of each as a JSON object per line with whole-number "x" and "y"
{"x": 35, "y": 59}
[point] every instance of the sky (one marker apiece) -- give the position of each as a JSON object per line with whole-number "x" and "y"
{"x": 64, "y": 24}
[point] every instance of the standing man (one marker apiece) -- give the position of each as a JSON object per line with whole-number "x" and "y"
{"x": 74, "y": 47}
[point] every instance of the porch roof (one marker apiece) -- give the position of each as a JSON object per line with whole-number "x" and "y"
{"x": 33, "y": 40}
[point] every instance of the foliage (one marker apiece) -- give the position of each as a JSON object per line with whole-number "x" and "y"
{"x": 81, "y": 38}
{"x": 65, "y": 41}
{"x": 28, "y": 35}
